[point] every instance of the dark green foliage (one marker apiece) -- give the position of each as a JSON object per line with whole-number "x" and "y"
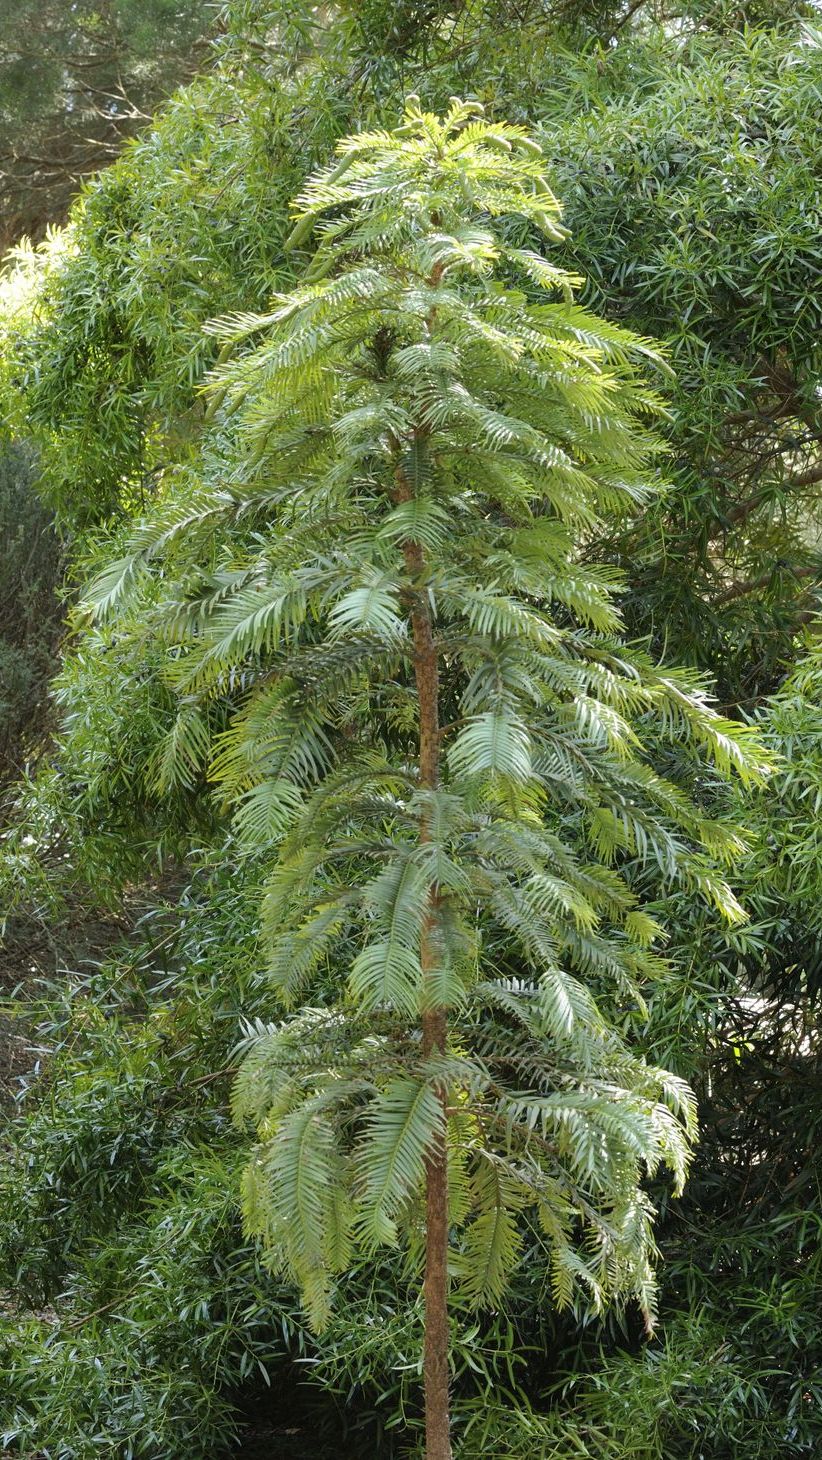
{"x": 98, "y": 813}
{"x": 76, "y": 81}
{"x": 135, "y": 1315}
{"x": 694, "y": 216}
{"x": 120, "y": 1217}
{"x": 30, "y": 609}
{"x": 157, "y": 1330}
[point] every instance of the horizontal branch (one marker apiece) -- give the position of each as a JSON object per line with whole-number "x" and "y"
{"x": 750, "y": 585}
{"x": 807, "y": 478}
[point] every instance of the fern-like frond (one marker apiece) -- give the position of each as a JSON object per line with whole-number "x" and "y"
{"x": 387, "y": 974}
{"x": 495, "y": 744}
{"x": 404, "y": 1124}
{"x": 492, "y": 1243}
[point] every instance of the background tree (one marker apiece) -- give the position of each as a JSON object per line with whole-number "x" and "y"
{"x": 30, "y": 566}
{"x": 76, "y": 81}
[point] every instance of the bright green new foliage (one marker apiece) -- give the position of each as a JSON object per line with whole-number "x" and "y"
{"x": 408, "y": 455}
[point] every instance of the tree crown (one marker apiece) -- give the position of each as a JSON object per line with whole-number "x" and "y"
{"x": 421, "y": 435}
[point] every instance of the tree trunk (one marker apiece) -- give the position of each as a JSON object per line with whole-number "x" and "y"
{"x": 435, "y": 1352}
{"x": 434, "y": 1019}
{"x": 434, "y": 1032}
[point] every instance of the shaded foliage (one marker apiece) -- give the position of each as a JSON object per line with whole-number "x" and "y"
{"x": 75, "y": 82}
{"x": 30, "y": 609}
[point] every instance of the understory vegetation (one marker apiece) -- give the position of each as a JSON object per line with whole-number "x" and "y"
{"x": 479, "y": 341}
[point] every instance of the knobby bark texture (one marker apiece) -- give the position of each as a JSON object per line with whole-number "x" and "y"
{"x": 434, "y": 1031}
{"x": 434, "y": 1019}
{"x": 434, "y": 1028}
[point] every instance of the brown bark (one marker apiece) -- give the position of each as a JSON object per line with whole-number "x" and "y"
{"x": 434, "y": 1032}
{"x": 434, "y": 1018}
{"x": 808, "y": 478}
{"x": 751, "y": 585}
{"x": 434, "y": 1029}
{"x": 435, "y": 1288}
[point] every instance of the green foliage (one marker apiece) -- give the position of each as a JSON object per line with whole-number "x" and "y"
{"x": 29, "y": 626}
{"x": 104, "y": 370}
{"x": 74, "y": 83}
{"x": 687, "y": 161}
{"x": 451, "y": 436}
{"x": 143, "y": 1380}
{"x": 120, "y": 1221}
{"x": 693, "y": 219}
{"x": 787, "y": 874}
{"x": 152, "y": 1322}
{"x": 101, "y": 811}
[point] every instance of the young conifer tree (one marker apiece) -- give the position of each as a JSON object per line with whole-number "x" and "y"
{"x": 443, "y": 739}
